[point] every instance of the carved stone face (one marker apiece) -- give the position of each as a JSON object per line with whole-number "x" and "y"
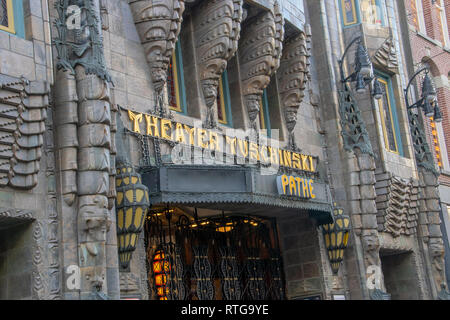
{"x": 210, "y": 92}
{"x": 291, "y": 118}
{"x": 371, "y": 241}
{"x": 436, "y": 248}
{"x": 253, "y": 106}
{"x": 159, "y": 77}
{"x": 95, "y": 217}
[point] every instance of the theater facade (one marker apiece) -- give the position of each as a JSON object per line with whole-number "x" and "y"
{"x": 209, "y": 150}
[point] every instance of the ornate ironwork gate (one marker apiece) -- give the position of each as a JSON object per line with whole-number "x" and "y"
{"x": 216, "y": 258}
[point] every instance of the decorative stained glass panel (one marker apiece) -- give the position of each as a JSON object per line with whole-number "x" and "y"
{"x": 387, "y": 118}
{"x": 349, "y": 12}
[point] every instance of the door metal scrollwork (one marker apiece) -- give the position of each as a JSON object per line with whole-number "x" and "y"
{"x": 222, "y": 257}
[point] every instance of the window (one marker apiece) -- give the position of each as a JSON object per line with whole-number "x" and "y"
{"x": 389, "y": 120}
{"x": 443, "y": 23}
{"x": 223, "y": 101}
{"x": 264, "y": 117}
{"x": 349, "y": 12}
{"x": 7, "y": 16}
{"x": 175, "y": 81}
{"x": 419, "y": 11}
{"x": 374, "y": 12}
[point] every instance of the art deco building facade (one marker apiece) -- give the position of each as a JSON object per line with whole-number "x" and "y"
{"x": 213, "y": 149}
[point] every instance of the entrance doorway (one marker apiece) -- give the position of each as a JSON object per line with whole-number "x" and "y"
{"x": 222, "y": 257}
{"x": 400, "y": 276}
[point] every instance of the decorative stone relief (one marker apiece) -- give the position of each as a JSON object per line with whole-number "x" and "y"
{"x": 292, "y": 78}
{"x": 397, "y": 204}
{"x": 23, "y": 110}
{"x": 430, "y": 226}
{"x": 80, "y": 46}
{"x": 158, "y": 23}
{"x": 217, "y": 25}
{"x": 260, "y": 50}
{"x": 84, "y": 127}
{"x": 386, "y": 55}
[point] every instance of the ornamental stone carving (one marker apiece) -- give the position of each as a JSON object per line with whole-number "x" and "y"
{"x": 260, "y": 50}
{"x": 158, "y": 23}
{"x": 386, "y": 55}
{"x": 23, "y": 110}
{"x": 397, "y": 204}
{"x": 85, "y": 132}
{"x": 217, "y": 25}
{"x": 292, "y": 78}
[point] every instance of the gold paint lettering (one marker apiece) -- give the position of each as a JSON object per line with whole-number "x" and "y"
{"x": 214, "y": 141}
{"x": 263, "y": 154}
{"x": 311, "y": 161}
{"x": 305, "y": 188}
{"x": 305, "y": 163}
{"x": 200, "y": 135}
{"x": 254, "y": 153}
{"x": 165, "y": 125}
{"x": 284, "y": 182}
{"x": 232, "y": 143}
{"x": 136, "y": 118}
{"x": 287, "y": 158}
{"x": 296, "y": 161}
{"x": 280, "y": 156}
{"x": 243, "y": 147}
{"x": 311, "y": 188}
{"x": 191, "y": 132}
{"x": 179, "y": 134}
{"x": 292, "y": 186}
{"x": 273, "y": 156}
{"x": 152, "y": 122}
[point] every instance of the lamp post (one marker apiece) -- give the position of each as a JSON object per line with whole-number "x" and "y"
{"x": 363, "y": 74}
{"x": 428, "y": 101}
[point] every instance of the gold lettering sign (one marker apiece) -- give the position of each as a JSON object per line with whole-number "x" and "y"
{"x": 296, "y": 186}
{"x": 208, "y": 139}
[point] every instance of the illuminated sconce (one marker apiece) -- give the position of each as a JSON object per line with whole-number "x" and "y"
{"x": 161, "y": 270}
{"x": 132, "y": 204}
{"x": 336, "y": 238}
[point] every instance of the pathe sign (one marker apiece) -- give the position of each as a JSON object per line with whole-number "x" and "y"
{"x": 289, "y": 185}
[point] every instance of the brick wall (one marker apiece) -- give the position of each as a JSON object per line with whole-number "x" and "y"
{"x": 426, "y": 50}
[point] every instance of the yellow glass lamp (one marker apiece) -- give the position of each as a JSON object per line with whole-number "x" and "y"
{"x": 336, "y": 237}
{"x": 132, "y": 204}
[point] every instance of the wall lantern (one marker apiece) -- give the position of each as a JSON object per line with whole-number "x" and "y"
{"x": 132, "y": 204}
{"x": 428, "y": 101}
{"x": 363, "y": 74}
{"x": 336, "y": 237}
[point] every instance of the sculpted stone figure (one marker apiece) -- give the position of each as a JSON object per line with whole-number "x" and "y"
{"x": 259, "y": 54}
{"x": 436, "y": 249}
{"x": 217, "y": 30}
{"x": 293, "y": 76}
{"x": 158, "y": 23}
{"x": 371, "y": 245}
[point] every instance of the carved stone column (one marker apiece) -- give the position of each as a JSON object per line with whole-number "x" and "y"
{"x": 217, "y": 25}
{"x": 292, "y": 78}
{"x": 430, "y": 230}
{"x": 259, "y": 56}
{"x": 158, "y": 23}
{"x": 83, "y": 116}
